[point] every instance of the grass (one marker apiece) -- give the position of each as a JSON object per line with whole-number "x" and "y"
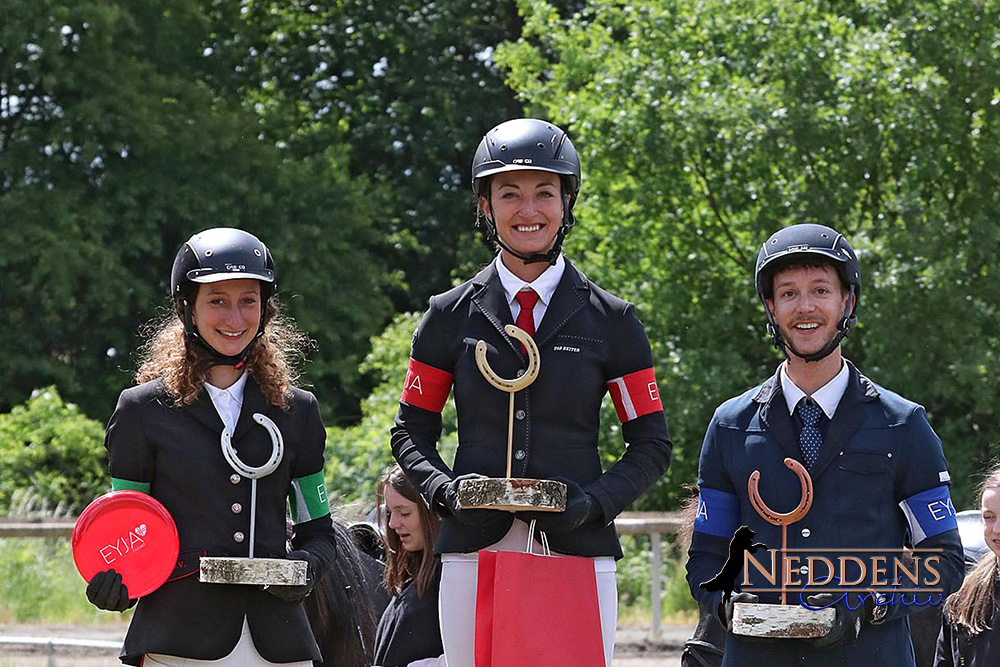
{"x": 634, "y": 590}
{"x": 39, "y": 583}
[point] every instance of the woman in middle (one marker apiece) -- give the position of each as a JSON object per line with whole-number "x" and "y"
{"x": 526, "y": 176}
{"x": 408, "y": 634}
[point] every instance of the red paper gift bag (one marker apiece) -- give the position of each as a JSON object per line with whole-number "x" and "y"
{"x": 537, "y": 611}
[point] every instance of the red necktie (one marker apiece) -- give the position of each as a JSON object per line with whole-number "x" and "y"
{"x": 527, "y": 298}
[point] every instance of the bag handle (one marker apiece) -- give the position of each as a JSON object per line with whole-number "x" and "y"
{"x": 543, "y": 538}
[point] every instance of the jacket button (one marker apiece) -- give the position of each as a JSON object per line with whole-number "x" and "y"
{"x": 519, "y": 455}
{"x": 236, "y": 508}
{"x": 238, "y": 536}
{"x": 806, "y": 532}
{"x": 234, "y": 478}
{"x": 519, "y": 414}
{"x": 803, "y": 570}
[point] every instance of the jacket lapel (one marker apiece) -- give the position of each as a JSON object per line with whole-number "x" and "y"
{"x": 568, "y": 299}
{"x": 204, "y": 411}
{"x": 253, "y": 402}
{"x": 849, "y": 417}
{"x": 775, "y": 417}
{"x": 491, "y": 301}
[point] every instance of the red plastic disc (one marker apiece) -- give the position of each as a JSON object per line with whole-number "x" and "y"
{"x": 130, "y": 532}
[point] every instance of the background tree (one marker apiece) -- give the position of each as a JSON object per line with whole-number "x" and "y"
{"x": 706, "y": 126}
{"x": 121, "y": 134}
{"x": 412, "y": 87}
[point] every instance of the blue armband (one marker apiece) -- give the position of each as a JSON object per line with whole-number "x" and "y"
{"x": 929, "y": 513}
{"x": 718, "y": 513}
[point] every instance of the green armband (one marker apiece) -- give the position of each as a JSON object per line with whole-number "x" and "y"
{"x": 119, "y": 484}
{"x": 307, "y": 498}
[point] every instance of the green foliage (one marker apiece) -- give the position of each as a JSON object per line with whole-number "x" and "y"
{"x": 122, "y": 132}
{"x": 40, "y": 584}
{"x": 52, "y": 450}
{"x": 357, "y": 455}
{"x": 704, "y": 127}
{"x": 413, "y": 87}
{"x": 635, "y": 582}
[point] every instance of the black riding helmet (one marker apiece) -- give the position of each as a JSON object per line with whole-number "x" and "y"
{"x": 212, "y": 256}
{"x": 522, "y": 144}
{"x": 806, "y": 242}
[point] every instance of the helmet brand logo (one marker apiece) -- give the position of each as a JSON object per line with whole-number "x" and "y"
{"x": 236, "y": 267}
{"x": 521, "y": 160}
{"x": 803, "y": 246}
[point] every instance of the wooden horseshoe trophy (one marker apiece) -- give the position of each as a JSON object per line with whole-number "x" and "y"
{"x": 257, "y": 571}
{"x": 511, "y": 493}
{"x": 782, "y": 621}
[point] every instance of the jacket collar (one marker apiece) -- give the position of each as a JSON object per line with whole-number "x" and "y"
{"x": 253, "y": 401}
{"x": 849, "y": 417}
{"x": 568, "y": 299}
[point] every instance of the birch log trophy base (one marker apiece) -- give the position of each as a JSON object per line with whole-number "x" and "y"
{"x": 250, "y": 570}
{"x": 507, "y": 493}
{"x": 779, "y": 621}
{"x": 259, "y": 571}
{"x": 512, "y": 494}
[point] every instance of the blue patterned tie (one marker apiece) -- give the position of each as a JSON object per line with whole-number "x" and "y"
{"x": 810, "y": 438}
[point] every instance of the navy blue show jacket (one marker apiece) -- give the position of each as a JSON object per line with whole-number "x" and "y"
{"x": 587, "y": 339}
{"x": 878, "y": 461}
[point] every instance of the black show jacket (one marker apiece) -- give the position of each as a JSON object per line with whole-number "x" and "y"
{"x": 586, "y": 339}
{"x": 176, "y": 449}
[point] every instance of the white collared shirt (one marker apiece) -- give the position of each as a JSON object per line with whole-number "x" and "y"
{"x": 228, "y": 401}
{"x": 544, "y": 285}
{"x": 827, "y": 397}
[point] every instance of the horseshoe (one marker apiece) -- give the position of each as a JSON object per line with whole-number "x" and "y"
{"x": 777, "y": 518}
{"x": 517, "y": 384}
{"x": 277, "y": 450}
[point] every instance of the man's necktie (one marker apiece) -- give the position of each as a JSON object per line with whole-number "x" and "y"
{"x": 810, "y": 437}
{"x": 527, "y": 298}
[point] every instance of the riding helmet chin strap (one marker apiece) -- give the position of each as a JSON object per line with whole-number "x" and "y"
{"x": 843, "y": 328}
{"x": 551, "y": 256}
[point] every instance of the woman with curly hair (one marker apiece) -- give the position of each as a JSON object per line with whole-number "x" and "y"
{"x": 970, "y": 635}
{"x": 221, "y": 362}
{"x": 409, "y": 633}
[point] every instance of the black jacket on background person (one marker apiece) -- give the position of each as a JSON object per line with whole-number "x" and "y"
{"x": 177, "y": 451}
{"x": 409, "y": 629}
{"x": 957, "y": 648}
{"x": 587, "y": 339}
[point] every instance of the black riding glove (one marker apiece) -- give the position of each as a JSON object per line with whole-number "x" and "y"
{"x": 726, "y": 608}
{"x": 581, "y": 508}
{"x": 106, "y": 591}
{"x": 469, "y": 517}
{"x": 298, "y": 593}
{"x": 846, "y": 625}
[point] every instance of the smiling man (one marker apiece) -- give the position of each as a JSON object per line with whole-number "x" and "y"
{"x": 879, "y": 476}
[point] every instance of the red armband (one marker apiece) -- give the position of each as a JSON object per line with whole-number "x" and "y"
{"x": 426, "y": 387}
{"x": 635, "y": 395}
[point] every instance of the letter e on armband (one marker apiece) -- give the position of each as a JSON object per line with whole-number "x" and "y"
{"x": 635, "y": 395}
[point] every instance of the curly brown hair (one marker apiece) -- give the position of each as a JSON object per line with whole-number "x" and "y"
{"x": 182, "y": 365}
